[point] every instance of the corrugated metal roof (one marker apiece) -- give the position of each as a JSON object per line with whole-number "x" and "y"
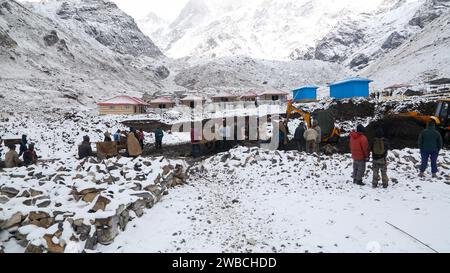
{"x": 249, "y": 94}
{"x": 274, "y": 92}
{"x": 193, "y": 98}
{"x": 224, "y": 95}
{"x": 122, "y": 100}
{"x": 356, "y": 79}
{"x": 162, "y": 100}
{"x": 306, "y": 87}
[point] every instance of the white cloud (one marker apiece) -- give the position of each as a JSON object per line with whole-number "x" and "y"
{"x": 166, "y": 9}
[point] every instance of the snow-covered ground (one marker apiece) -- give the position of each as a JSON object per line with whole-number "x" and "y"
{"x": 261, "y": 201}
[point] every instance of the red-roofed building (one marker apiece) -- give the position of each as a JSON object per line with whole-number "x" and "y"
{"x": 274, "y": 95}
{"x": 224, "y": 97}
{"x": 122, "y": 105}
{"x": 249, "y": 96}
{"x": 162, "y": 103}
{"x": 192, "y": 101}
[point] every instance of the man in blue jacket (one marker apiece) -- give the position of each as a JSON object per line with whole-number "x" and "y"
{"x": 430, "y": 144}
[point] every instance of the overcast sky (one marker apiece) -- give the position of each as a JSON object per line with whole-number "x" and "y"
{"x": 167, "y": 9}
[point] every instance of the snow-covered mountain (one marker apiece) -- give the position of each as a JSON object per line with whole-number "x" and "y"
{"x": 367, "y": 37}
{"x": 60, "y": 52}
{"x": 270, "y": 29}
{"x": 345, "y": 31}
{"x": 358, "y": 35}
{"x": 153, "y": 25}
{"x": 70, "y": 52}
{"x": 424, "y": 57}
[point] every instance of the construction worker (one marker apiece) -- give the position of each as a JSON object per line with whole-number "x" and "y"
{"x": 85, "y": 149}
{"x": 311, "y": 136}
{"x": 12, "y": 158}
{"x": 30, "y": 157}
{"x": 430, "y": 144}
{"x": 283, "y": 135}
{"x": 23, "y": 145}
{"x": 299, "y": 138}
{"x": 159, "y": 134}
{"x": 380, "y": 148}
{"x": 319, "y": 136}
{"x": 359, "y": 146}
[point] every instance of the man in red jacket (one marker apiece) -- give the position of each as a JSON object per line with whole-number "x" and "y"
{"x": 359, "y": 146}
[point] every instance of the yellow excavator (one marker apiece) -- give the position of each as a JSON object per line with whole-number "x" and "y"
{"x": 441, "y": 118}
{"x": 330, "y": 133}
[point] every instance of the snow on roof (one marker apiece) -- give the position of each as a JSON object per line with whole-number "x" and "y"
{"x": 162, "y": 100}
{"x": 275, "y": 92}
{"x": 224, "y": 95}
{"x": 441, "y": 81}
{"x": 123, "y": 100}
{"x": 193, "y": 98}
{"x": 356, "y": 79}
{"x": 249, "y": 94}
{"x": 397, "y": 86}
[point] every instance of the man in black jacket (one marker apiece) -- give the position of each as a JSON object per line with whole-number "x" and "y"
{"x": 85, "y": 149}
{"x": 299, "y": 138}
{"x": 380, "y": 148}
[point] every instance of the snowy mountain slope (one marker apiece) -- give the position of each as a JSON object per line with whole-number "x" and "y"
{"x": 49, "y": 56}
{"x": 258, "y": 28}
{"x": 152, "y": 25}
{"x": 353, "y": 33}
{"x": 240, "y": 73}
{"x": 103, "y": 21}
{"x": 368, "y": 37}
{"x": 425, "y": 57}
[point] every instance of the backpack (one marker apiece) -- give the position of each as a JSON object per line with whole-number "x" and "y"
{"x": 378, "y": 147}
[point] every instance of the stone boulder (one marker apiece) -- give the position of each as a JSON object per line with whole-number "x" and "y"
{"x": 13, "y": 221}
{"x": 393, "y": 41}
{"x": 51, "y": 39}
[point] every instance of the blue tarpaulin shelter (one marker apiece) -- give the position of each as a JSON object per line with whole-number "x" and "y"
{"x": 305, "y": 93}
{"x": 350, "y": 88}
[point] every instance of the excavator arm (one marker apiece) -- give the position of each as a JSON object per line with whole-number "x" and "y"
{"x": 335, "y": 133}
{"x": 291, "y": 109}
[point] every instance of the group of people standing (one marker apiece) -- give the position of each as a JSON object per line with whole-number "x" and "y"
{"x": 26, "y": 151}
{"x": 308, "y": 139}
{"x": 430, "y": 143}
{"x": 134, "y": 141}
{"x": 123, "y": 135}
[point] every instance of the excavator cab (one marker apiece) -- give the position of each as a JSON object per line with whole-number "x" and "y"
{"x": 442, "y": 118}
{"x": 443, "y": 113}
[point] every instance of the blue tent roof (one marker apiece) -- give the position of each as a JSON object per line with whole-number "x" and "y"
{"x": 351, "y": 80}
